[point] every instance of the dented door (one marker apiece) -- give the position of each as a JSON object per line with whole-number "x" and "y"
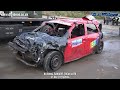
{"x": 75, "y": 48}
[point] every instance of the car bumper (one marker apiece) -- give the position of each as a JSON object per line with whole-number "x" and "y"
{"x": 22, "y": 57}
{"x": 25, "y": 62}
{"x": 15, "y": 48}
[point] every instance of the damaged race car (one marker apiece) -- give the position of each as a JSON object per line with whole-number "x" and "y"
{"x": 59, "y": 41}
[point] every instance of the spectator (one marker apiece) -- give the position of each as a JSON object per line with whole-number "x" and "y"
{"x": 104, "y": 20}
{"x": 107, "y": 20}
{"x": 117, "y": 21}
{"x": 113, "y": 21}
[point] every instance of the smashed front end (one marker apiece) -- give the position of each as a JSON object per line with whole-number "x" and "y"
{"x": 26, "y": 52}
{"x": 30, "y": 47}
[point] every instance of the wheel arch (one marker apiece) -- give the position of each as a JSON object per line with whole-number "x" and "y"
{"x": 50, "y": 50}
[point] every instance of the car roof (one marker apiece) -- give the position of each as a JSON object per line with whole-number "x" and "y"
{"x": 70, "y": 21}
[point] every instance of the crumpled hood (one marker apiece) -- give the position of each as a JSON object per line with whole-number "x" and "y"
{"x": 42, "y": 39}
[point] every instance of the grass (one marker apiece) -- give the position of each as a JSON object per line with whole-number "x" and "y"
{"x": 65, "y": 13}
{"x": 73, "y": 14}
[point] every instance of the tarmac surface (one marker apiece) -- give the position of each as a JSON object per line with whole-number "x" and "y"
{"x": 97, "y": 66}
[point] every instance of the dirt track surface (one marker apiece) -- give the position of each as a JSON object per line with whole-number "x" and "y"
{"x": 97, "y": 66}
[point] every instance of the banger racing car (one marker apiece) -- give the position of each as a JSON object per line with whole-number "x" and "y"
{"x": 59, "y": 41}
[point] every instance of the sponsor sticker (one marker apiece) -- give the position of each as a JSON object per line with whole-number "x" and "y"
{"x": 93, "y": 43}
{"x": 76, "y": 42}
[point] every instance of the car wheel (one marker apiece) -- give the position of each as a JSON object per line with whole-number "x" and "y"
{"x": 53, "y": 61}
{"x": 100, "y": 47}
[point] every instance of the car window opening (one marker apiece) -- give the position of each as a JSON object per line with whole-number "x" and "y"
{"x": 91, "y": 28}
{"x": 78, "y": 31}
{"x": 54, "y": 29}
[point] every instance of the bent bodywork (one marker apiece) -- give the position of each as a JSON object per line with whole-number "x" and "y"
{"x": 59, "y": 41}
{"x": 31, "y": 47}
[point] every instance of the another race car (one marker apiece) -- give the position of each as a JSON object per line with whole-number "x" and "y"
{"x": 59, "y": 41}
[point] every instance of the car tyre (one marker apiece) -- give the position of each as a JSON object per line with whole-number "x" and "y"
{"x": 99, "y": 48}
{"x": 53, "y": 61}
